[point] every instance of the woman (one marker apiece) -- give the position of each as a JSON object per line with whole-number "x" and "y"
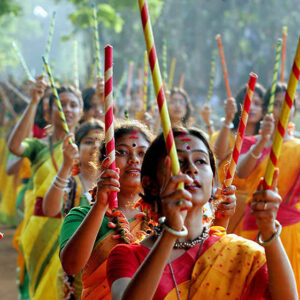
{"x": 252, "y": 165}
{"x": 224, "y": 140}
{"x": 180, "y": 107}
{"x": 90, "y": 232}
{"x": 74, "y": 190}
{"x": 181, "y": 261}
{"x": 46, "y": 156}
{"x": 93, "y": 101}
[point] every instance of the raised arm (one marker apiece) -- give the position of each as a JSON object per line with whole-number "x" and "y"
{"x": 52, "y": 202}
{"x": 222, "y": 142}
{"x": 78, "y": 249}
{"x": 146, "y": 279}
{"x": 205, "y": 113}
{"x": 13, "y": 165}
{"x": 247, "y": 161}
{"x": 265, "y": 204}
{"x": 24, "y": 126}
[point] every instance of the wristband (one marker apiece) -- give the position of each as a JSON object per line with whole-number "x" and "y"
{"x": 272, "y": 238}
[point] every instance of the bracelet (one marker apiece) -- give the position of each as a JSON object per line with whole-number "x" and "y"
{"x": 272, "y": 238}
{"x": 59, "y": 184}
{"x": 183, "y": 232}
{"x": 61, "y": 179}
{"x": 253, "y": 155}
{"x": 230, "y": 126}
{"x": 57, "y": 187}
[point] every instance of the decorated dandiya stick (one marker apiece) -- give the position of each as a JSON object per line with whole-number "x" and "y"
{"x": 145, "y": 83}
{"x": 128, "y": 89}
{"x": 140, "y": 73}
{"x": 284, "y": 35}
{"x": 275, "y": 75}
{"x": 56, "y": 97}
{"x": 23, "y": 63}
{"x": 7, "y": 103}
{"x": 181, "y": 81}
{"x": 171, "y": 75}
{"x": 121, "y": 84}
{"x": 211, "y": 77}
{"x": 109, "y": 117}
{"x": 76, "y": 76}
{"x": 240, "y": 132}
{"x": 164, "y": 61}
{"x": 158, "y": 87}
{"x": 129, "y": 80}
{"x": 283, "y": 120}
{"x": 91, "y": 78}
{"x": 16, "y": 91}
{"x": 50, "y": 35}
{"x": 224, "y": 67}
{"x": 96, "y": 40}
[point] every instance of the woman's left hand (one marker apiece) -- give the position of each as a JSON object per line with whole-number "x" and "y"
{"x": 227, "y": 202}
{"x": 265, "y": 205}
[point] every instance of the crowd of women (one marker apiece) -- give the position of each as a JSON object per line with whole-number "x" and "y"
{"x": 198, "y": 242}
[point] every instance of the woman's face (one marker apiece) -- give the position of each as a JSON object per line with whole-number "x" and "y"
{"x": 194, "y": 161}
{"x": 89, "y": 146}
{"x": 177, "y": 107}
{"x": 256, "y": 109}
{"x": 97, "y": 109}
{"x": 71, "y": 108}
{"x": 130, "y": 152}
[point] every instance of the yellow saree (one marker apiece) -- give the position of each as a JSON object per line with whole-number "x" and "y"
{"x": 39, "y": 238}
{"x": 226, "y": 271}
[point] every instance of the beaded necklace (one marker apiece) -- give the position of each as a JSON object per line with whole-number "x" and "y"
{"x": 121, "y": 225}
{"x": 186, "y": 244}
{"x": 202, "y": 238}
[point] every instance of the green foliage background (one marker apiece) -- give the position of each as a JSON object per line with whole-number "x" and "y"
{"x": 249, "y": 32}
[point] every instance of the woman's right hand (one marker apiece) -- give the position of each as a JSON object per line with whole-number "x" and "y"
{"x": 108, "y": 182}
{"x": 38, "y": 89}
{"x": 174, "y": 202}
{"x": 205, "y": 113}
{"x": 267, "y": 127}
{"x": 230, "y": 110}
{"x": 70, "y": 151}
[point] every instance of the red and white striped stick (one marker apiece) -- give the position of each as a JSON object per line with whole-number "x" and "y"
{"x": 224, "y": 67}
{"x": 109, "y": 117}
{"x": 241, "y": 130}
{"x": 158, "y": 87}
